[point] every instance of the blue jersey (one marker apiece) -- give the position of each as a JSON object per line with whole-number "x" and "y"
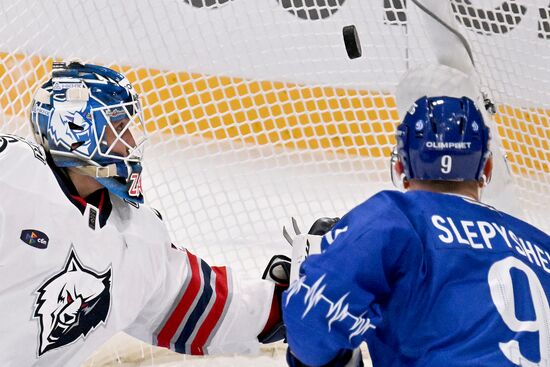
{"x": 426, "y": 279}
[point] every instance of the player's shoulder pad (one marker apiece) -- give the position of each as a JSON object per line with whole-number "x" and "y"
{"x": 18, "y": 148}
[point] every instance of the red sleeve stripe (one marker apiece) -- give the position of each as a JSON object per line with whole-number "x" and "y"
{"x": 200, "y": 309}
{"x": 176, "y": 317}
{"x": 213, "y": 318}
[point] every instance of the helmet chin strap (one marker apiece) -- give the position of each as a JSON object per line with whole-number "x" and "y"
{"x": 94, "y": 171}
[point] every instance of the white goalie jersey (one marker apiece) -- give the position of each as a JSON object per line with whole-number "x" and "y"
{"x": 73, "y": 274}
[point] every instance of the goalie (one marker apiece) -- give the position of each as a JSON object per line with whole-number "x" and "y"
{"x": 82, "y": 259}
{"x": 430, "y": 277}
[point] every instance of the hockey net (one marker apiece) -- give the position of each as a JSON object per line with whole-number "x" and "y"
{"x": 256, "y": 114}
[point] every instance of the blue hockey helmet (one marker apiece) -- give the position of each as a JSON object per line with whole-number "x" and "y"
{"x": 89, "y": 118}
{"x": 442, "y": 139}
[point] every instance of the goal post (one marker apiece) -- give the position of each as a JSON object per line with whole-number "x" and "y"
{"x": 256, "y": 114}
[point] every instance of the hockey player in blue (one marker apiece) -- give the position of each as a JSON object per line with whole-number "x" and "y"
{"x": 430, "y": 277}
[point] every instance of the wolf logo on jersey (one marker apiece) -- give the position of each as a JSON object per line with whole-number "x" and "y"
{"x": 71, "y": 303}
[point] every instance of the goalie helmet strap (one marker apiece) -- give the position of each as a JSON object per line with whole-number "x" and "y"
{"x": 94, "y": 171}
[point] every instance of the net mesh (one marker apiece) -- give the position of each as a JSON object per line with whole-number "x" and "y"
{"x": 256, "y": 114}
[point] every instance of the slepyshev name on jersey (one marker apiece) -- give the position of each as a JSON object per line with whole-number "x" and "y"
{"x": 481, "y": 235}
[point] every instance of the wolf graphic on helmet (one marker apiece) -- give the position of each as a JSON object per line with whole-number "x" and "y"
{"x": 72, "y": 130}
{"x": 71, "y": 304}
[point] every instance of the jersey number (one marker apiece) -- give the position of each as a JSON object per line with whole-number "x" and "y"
{"x": 446, "y": 163}
{"x": 502, "y": 293}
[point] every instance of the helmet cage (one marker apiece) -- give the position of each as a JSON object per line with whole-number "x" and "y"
{"x": 116, "y": 128}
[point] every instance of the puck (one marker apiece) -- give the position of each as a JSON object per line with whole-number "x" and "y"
{"x": 351, "y": 40}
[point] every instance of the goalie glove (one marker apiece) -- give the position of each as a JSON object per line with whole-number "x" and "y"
{"x": 277, "y": 271}
{"x": 280, "y": 269}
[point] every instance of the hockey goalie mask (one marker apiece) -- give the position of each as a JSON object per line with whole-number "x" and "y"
{"x": 441, "y": 138}
{"x": 89, "y": 118}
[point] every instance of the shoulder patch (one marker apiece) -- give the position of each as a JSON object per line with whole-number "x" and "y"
{"x": 34, "y": 238}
